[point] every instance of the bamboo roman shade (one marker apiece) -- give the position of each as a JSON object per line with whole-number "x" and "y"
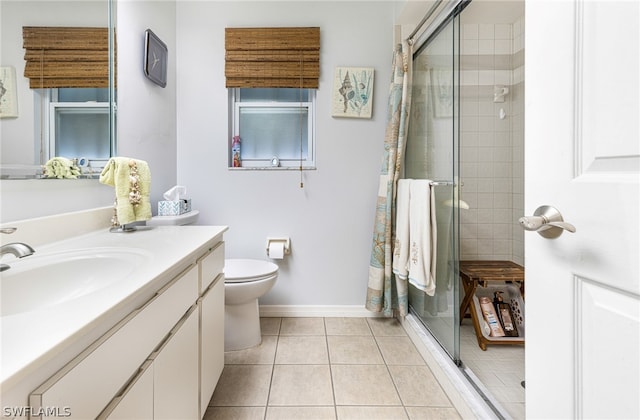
{"x": 58, "y": 57}
{"x": 272, "y": 57}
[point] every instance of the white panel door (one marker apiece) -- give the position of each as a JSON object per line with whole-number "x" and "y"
{"x": 583, "y": 157}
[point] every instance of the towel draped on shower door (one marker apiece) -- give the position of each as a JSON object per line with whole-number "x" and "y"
{"x": 400, "y": 262}
{"x": 414, "y": 254}
{"x": 422, "y": 236}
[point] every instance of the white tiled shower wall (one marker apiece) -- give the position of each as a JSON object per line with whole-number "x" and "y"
{"x": 491, "y": 148}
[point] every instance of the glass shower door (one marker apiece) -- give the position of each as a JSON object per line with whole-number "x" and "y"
{"x": 432, "y": 153}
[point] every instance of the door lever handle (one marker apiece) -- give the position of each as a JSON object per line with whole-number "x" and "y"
{"x": 563, "y": 225}
{"x": 547, "y": 221}
{"x": 536, "y": 223}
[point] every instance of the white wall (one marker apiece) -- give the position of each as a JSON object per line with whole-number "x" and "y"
{"x": 330, "y": 220}
{"x": 184, "y": 126}
{"x": 146, "y": 116}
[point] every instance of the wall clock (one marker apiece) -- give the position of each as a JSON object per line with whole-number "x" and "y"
{"x": 155, "y": 58}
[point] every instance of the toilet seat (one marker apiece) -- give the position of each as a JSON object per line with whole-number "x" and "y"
{"x": 247, "y": 270}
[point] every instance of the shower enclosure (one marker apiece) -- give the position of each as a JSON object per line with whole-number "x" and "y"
{"x": 432, "y": 152}
{"x": 466, "y": 134}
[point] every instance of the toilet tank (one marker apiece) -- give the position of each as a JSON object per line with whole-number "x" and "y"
{"x": 179, "y": 220}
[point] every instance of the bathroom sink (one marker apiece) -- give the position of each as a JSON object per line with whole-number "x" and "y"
{"x": 48, "y": 279}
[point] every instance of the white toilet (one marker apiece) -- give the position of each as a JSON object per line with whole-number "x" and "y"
{"x": 245, "y": 281}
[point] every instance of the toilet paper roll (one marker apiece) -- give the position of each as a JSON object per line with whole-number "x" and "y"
{"x": 276, "y": 250}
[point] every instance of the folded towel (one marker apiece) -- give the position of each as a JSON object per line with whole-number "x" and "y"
{"x": 132, "y": 181}
{"x": 61, "y": 168}
{"x": 422, "y": 236}
{"x": 401, "y": 243}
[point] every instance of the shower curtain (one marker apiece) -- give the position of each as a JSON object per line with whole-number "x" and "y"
{"x": 386, "y": 293}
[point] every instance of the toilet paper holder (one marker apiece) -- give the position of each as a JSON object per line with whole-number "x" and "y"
{"x": 285, "y": 241}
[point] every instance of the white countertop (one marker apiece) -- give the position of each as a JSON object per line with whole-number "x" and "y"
{"x": 31, "y": 339}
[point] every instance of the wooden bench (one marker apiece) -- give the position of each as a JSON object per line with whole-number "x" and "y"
{"x": 482, "y": 273}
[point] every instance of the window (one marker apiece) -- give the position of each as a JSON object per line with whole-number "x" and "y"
{"x": 276, "y": 127}
{"x": 69, "y": 71}
{"x": 76, "y": 124}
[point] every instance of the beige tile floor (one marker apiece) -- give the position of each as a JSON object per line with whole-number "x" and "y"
{"x": 329, "y": 368}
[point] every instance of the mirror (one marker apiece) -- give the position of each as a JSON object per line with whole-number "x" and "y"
{"x": 26, "y": 142}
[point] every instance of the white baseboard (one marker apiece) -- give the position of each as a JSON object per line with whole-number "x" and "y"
{"x": 316, "y": 311}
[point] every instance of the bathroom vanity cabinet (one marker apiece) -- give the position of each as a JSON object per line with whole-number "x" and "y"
{"x": 211, "y": 313}
{"x": 162, "y": 361}
{"x": 166, "y": 385}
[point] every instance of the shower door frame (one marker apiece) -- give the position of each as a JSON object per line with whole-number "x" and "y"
{"x": 440, "y": 23}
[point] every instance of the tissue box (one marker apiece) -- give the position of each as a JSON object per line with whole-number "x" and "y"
{"x": 174, "y": 208}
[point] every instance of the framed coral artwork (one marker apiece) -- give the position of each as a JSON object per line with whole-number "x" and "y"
{"x": 352, "y": 95}
{"x": 8, "y": 93}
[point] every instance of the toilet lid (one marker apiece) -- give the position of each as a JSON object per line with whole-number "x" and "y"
{"x": 243, "y": 270}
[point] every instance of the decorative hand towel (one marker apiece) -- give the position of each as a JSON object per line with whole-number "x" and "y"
{"x": 61, "y": 168}
{"x": 422, "y": 236}
{"x": 132, "y": 181}
{"x": 401, "y": 244}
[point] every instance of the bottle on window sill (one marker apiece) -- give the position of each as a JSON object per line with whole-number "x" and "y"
{"x": 235, "y": 152}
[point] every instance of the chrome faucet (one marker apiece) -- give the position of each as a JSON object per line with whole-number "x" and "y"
{"x": 18, "y": 249}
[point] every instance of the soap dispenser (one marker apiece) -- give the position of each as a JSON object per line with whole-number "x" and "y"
{"x": 506, "y": 316}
